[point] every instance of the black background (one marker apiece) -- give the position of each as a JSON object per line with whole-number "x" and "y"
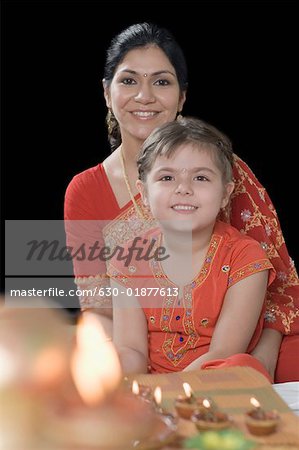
{"x": 242, "y": 59}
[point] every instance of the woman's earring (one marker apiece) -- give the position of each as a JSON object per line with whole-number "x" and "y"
{"x": 179, "y": 116}
{"x": 111, "y": 121}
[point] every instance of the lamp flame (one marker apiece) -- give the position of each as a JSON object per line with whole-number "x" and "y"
{"x": 135, "y": 387}
{"x": 187, "y": 389}
{"x": 95, "y": 365}
{"x": 8, "y": 367}
{"x": 158, "y": 395}
{"x": 206, "y": 403}
{"x": 255, "y": 402}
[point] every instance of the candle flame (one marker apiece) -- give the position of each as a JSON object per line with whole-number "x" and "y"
{"x": 8, "y": 367}
{"x": 135, "y": 387}
{"x": 255, "y": 402}
{"x": 187, "y": 389}
{"x": 158, "y": 395}
{"x": 206, "y": 403}
{"x": 95, "y": 365}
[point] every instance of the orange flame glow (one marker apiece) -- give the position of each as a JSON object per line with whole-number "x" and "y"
{"x": 95, "y": 365}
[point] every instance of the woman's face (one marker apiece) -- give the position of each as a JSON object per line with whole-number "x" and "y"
{"x": 144, "y": 92}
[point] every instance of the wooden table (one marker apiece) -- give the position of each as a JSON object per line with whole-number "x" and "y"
{"x": 231, "y": 389}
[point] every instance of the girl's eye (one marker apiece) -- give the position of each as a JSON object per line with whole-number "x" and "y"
{"x": 201, "y": 178}
{"x": 166, "y": 178}
{"x": 162, "y": 83}
{"x": 128, "y": 81}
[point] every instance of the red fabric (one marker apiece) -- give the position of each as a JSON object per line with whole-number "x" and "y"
{"x": 89, "y": 196}
{"x": 180, "y": 334}
{"x": 89, "y": 205}
{"x": 240, "y": 359}
{"x": 288, "y": 361}
{"x": 253, "y": 213}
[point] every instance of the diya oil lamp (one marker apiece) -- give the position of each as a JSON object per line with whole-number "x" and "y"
{"x": 187, "y": 404}
{"x": 102, "y": 416}
{"x": 144, "y": 392}
{"x": 164, "y": 429}
{"x": 209, "y": 418}
{"x": 158, "y": 406}
{"x": 260, "y": 422}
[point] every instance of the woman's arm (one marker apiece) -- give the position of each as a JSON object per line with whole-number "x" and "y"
{"x": 238, "y": 319}
{"x": 84, "y": 221}
{"x": 267, "y": 349}
{"x": 130, "y": 332}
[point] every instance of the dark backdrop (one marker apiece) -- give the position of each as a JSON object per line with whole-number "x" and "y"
{"x": 242, "y": 64}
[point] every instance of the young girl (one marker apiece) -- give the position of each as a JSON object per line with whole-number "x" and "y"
{"x": 184, "y": 316}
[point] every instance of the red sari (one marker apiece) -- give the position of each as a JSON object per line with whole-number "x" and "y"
{"x": 89, "y": 199}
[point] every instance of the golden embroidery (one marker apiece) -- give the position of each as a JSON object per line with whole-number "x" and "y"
{"x": 128, "y": 225}
{"x": 175, "y": 357}
{"x": 280, "y": 301}
{"x": 255, "y": 267}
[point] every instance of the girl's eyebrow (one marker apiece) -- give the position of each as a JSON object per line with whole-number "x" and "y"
{"x": 193, "y": 170}
{"x": 153, "y": 74}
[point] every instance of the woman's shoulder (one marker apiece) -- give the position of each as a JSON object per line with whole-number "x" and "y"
{"x": 85, "y": 196}
{"x": 242, "y": 171}
{"x": 88, "y": 183}
{"x": 88, "y": 177}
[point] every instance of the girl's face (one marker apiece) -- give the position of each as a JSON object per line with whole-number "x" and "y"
{"x": 144, "y": 92}
{"x": 187, "y": 189}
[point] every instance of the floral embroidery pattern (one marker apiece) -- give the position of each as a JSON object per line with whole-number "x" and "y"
{"x": 246, "y": 215}
{"x": 270, "y": 316}
{"x": 248, "y": 270}
{"x": 282, "y": 276}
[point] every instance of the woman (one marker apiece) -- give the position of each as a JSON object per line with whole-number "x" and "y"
{"x": 145, "y": 83}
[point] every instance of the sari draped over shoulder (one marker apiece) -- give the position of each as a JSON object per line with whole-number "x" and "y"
{"x": 252, "y": 212}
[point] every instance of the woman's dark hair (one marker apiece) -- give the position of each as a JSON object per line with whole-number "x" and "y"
{"x": 141, "y": 35}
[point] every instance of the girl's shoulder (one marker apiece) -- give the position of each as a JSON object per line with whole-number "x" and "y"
{"x": 236, "y": 241}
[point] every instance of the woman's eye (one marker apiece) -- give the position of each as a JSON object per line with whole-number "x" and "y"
{"x": 162, "y": 83}
{"x": 128, "y": 81}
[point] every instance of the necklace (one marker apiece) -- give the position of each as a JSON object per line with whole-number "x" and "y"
{"x": 136, "y": 206}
